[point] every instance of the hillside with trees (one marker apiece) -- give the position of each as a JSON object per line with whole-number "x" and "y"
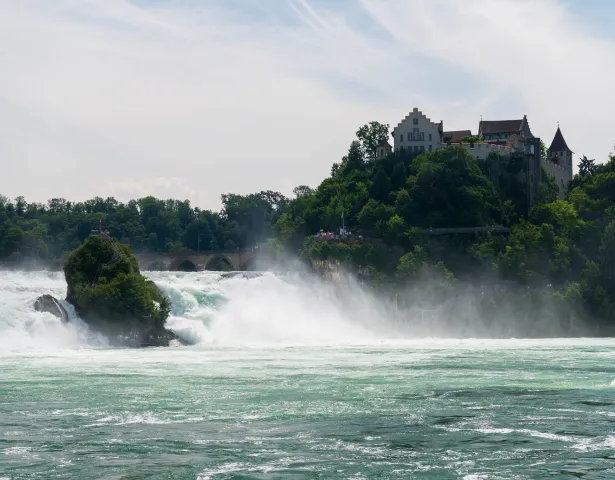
{"x": 563, "y": 250}
{"x": 559, "y": 253}
{"x": 49, "y": 231}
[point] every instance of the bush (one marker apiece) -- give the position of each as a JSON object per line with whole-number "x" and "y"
{"x": 110, "y": 294}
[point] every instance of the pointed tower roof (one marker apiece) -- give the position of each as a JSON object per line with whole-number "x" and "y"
{"x": 559, "y": 144}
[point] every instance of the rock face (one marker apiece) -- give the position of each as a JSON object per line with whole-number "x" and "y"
{"x": 111, "y": 296}
{"x": 47, "y": 303}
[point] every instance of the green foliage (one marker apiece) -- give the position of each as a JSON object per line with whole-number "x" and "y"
{"x": 561, "y": 251}
{"x": 587, "y": 166}
{"x": 415, "y": 267}
{"x": 549, "y": 189}
{"x": 115, "y": 298}
{"x": 373, "y": 216}
{"x": 471, "y": 139}
{"x": 399, "y": 176}
{"x": 147, "y": 224}
{"x": 543, "y": 150}
{"x": 370, "y": 136}
{"x": 447, "y": 188}
{"x": 381, "y": 187}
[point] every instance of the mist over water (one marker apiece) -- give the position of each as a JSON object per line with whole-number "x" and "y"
{"x": 249, "y": 308}
{"x": 242, "y": 309}
{"x": 208, "y": 308}
{"x": 23, "y": 329}
{"x": 291, "y": 377}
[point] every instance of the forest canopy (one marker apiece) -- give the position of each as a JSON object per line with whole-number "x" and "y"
{"x": 563, "y": 245}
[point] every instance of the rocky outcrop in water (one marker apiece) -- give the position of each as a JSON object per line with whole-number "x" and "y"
{"x": 110, "y": 294}
{"x": 49, "y": 304}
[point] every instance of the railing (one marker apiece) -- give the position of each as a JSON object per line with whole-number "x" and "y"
{"x": 192, "y": 253}
{"x": 218, "y": 252}
{"x": 447, "y": 231}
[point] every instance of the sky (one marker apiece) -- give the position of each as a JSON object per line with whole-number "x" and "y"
{"x": 190, "y": 99}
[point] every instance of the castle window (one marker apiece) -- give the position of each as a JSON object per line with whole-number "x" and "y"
{"x": 430, "y": 137}
{"x": 409, "y": 136}
{"x": 401, "y": 138}
{"x": 430, "y": 145}
{"x": 415, "y": 121}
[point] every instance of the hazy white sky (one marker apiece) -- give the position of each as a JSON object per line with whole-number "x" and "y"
{"x": 195, "y": 98}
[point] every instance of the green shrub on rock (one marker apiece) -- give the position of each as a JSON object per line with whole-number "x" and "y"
{"x": 110, "y": 294}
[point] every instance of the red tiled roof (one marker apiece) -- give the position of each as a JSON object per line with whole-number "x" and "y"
{"x": 454, "y": 136}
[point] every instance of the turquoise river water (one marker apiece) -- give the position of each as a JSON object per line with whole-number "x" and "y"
{"x": 288, "y": 382}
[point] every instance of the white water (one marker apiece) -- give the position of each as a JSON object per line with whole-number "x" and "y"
{"x": 207, "y": 308}
{"x": 229, "y": 310}
{"x": 23, "y": 328}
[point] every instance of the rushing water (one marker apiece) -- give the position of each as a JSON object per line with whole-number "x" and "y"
{"x": 289, "y": 381}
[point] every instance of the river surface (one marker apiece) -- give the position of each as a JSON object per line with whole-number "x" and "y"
{"x": 288, "y": 381}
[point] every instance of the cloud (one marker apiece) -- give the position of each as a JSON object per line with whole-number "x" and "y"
{"x": 194, "y": 99}
{"x": 532, "y": 57}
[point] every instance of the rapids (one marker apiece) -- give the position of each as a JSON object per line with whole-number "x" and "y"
{"x": 292, "y": 378}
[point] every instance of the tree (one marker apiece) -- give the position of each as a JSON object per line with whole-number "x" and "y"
{"x": 374, "y": 215}
{"x": 543, "y": 150}
{"x": 20, "y": 206}
{"x": 303, "y": 191}
{"x": 370, "y": 136}
{"x": 109, "y": 293}
{"x": 587, "y": 166}
{"x": 13, "y": 239}
{"x": 354, "y": 161}
{"x": 606, "y": 253}
{"x": 448, "y": 189}
{"x": 399, "y": 176}
{"x": 381, "y": 187}
{"x": 471, "y": 139}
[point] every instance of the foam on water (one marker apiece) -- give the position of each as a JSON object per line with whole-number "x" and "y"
{"x": 233, "y": 310}
{"x": 352, "y": 397}
{"x": 207, "y": 308}
{"x": 242, "y": 309}
{"x": 24, "y": 329}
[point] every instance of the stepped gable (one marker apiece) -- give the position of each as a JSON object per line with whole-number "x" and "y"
{"x": 454, "y": 136}
{"x": 559, "y": 144}
{"x": 416, "y": 111}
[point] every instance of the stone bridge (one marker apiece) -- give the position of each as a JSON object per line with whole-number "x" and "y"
{"x": 243, "y": 259}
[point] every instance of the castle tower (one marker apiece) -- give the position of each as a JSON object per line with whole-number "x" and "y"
{"x": 560, "y": 154}
{"x": 559, "y": 163}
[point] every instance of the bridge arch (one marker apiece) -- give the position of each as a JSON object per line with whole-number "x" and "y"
{"x": 220, "y": 263}
{"x": 187, "y": 266}
{"x": 183, "y": 264}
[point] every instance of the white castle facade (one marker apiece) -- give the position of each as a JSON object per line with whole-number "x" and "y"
{"x": 418, "y": 133}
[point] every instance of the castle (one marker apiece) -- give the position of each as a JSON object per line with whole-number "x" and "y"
{"x": 418, "y": 133}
